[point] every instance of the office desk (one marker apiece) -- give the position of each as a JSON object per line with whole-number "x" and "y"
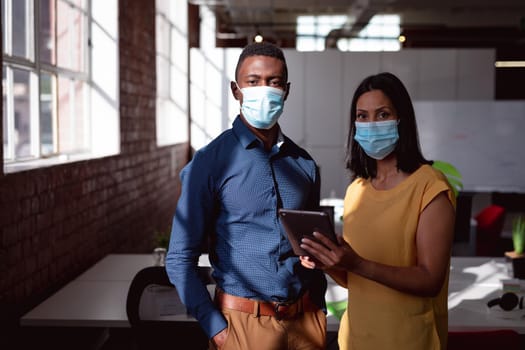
{"x": 97, "y": 298}
{"x": 473, "y": 282}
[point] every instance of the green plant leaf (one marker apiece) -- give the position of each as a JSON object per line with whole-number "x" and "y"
{"x": 518, "y": 234}
{"x": 452, "y": 174}
{"x": 161, "y": 239}
{"x": 447, "y": 168}
{"x": 337, "y": 308}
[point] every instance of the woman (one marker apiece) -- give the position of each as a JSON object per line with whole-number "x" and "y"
{"x": 398, "y": 229}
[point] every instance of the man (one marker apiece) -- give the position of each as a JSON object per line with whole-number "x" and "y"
{"x": 231, "y": 193}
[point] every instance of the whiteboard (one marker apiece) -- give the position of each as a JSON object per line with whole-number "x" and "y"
{"x": 485, "y": 140}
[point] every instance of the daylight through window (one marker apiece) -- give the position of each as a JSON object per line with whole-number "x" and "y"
{"x": 49, "y": 81}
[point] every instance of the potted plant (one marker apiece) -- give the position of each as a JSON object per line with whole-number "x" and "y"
{"x": 452, "y": 174}
{"x": 518, "y": 240}
{"x": 161, "y": 240}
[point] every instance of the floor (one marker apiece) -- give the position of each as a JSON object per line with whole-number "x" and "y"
{"x": 123, "y": 340}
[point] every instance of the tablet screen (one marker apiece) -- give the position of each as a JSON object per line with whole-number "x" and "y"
{"x": 302, "y": 223}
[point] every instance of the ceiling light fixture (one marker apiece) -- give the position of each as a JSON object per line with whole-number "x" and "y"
{"x": 509, "y": 64}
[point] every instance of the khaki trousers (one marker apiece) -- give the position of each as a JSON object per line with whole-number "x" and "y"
{"x": 246, "y": 331}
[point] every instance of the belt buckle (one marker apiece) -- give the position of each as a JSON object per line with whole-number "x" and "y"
{"x": 278, "y": 314}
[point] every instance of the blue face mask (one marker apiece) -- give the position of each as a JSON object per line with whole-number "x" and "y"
{"x": 377, "y": 139}
{"x": 262, "y": 105}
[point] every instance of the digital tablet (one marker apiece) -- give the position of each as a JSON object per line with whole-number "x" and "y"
{"x": 302, "y": 223}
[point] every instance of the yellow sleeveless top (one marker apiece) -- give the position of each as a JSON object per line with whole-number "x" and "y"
{"x": 381, "y": 226}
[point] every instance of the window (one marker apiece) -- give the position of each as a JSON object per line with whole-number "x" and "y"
{"x": 53, "y": 86}
{"x": 312, "y": 30}
{"x": 172, "y": 71}
{"x": 380, "y": 34}
{"x": 213, "y": 107}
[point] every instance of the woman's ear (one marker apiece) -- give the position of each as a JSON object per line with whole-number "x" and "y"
{"x": 237, "y": 94}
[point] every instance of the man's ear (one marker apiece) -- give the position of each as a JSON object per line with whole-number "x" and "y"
{"x": 235, "y": 90}
{"x": 287, "y": 91}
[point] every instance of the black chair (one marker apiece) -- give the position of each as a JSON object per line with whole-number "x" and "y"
{"x": 154, "y": 333}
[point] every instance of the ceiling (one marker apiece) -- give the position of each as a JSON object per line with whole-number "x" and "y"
{"x": 454, "y": 22}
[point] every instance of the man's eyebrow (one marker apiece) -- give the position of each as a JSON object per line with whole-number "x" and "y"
{"x": 275, "y": 76}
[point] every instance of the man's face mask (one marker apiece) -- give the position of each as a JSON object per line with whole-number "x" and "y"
{"x": 262, "y": 105}
{"x": 377, "y": 139}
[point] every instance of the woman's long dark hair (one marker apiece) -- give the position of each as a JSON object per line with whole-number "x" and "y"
{"x": 408, "y": 150}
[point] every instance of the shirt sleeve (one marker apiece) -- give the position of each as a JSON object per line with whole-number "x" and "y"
{"x": 190, "y": 225}
{"x": 437, "y": 184}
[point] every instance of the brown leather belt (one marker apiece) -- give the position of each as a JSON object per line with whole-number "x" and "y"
{"x": 265, "y": 308}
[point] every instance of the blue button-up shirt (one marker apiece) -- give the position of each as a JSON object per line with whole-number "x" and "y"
{"x": 231, "y": 191}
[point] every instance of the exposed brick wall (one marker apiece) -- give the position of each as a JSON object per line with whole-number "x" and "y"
{"x": 57, "y": 221}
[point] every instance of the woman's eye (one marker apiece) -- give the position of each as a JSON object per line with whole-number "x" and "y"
{"x": 384, "y": 115}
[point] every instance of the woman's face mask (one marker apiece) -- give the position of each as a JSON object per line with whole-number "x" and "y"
{"x": 377, "y": 139}
{"x": 262, "y": 105}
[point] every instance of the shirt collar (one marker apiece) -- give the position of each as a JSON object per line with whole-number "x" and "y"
{"x": 247, "y": 138}
{"x": 280, "y": 138}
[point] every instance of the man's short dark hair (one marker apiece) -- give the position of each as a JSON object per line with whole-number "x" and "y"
{"x": 262, "y": 49}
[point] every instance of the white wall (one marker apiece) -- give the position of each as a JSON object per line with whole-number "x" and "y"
{"x": 452, "y": 90}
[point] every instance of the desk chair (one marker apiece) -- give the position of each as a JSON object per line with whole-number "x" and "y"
{"x": 484, "y": 340}
{"x": 488, "y": 231}
{"x": 153, "y": 282}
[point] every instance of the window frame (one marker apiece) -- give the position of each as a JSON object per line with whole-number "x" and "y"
{"x": 80, "y": 86}
{"x": 173, "y": 61}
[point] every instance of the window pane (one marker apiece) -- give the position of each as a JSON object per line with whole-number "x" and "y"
{"x": 81, "y": 131}
{"x": 178, "y": 89}
{"x": 162, "y": 36}
{"x": 179, "y": 44}
{"x": 47, "y": 114}
{"x": 306, "y": 25}
{"x": 163, "y": 70}
{"x": 20, "y": 28}
{"x": 71, "y": 116}
{"x": 4, "y": 109}
{"x": 80, "y": 3}
{"x": 4, "y": 32}
{"x": 22, "y": 113}
{"x": 47, "y": 31}
{"x": 70, "y": 37}
{"x": 64, "y": 115}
